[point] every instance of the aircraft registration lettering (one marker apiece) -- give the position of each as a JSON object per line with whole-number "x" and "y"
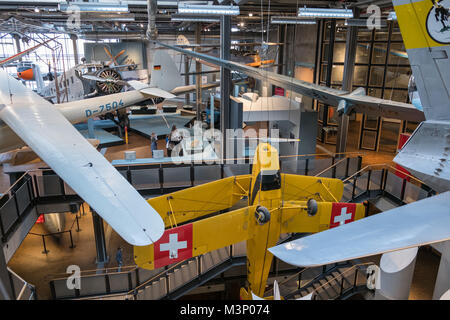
{"x": 108, "y": 107}
{"x": 175, "y": 245}
{"x": 342, "y": 213}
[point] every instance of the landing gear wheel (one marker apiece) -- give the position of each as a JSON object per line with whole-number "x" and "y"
{"x": 262, "y": 215}
{"x": 312, "y": 207}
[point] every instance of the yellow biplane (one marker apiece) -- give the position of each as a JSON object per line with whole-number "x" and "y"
{"x": 277, "y": 203}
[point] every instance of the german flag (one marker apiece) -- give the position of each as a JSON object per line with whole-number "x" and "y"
{"x": 158, "y": 67}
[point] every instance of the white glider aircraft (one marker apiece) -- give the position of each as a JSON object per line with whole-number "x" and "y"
{"x": 28, "y": 119}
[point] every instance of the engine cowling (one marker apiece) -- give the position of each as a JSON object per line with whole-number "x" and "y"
{"x": 104, "y": 88}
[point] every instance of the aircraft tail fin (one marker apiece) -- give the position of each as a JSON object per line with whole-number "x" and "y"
{"x": 425, "y": 28}
{"x": 164, "y": 72}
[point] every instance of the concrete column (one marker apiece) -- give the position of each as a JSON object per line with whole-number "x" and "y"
{"x": 100, "y": 243}
{"x": 396, "y": 273}
{"x": 347, "y": 82}
{"x": 74, "y": 39}
{"x": 225, "y": 78}
{"x": 198, "y": 76}
{"x": 443, "y": 277}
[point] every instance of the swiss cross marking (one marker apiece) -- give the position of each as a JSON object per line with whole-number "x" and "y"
{"x": 173, "y": 246}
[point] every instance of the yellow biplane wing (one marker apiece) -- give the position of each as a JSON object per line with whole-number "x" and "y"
{"x": 193, "y": 239}
{"x": 296, "y": 187}
{"x": 296, "y": 219}
{"x": 196, "y": 202}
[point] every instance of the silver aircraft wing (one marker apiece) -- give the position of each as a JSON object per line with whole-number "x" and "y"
{"x": 419, "y": 223}
{"x": 346, "y": 102}
{"x": 84, "y": 169}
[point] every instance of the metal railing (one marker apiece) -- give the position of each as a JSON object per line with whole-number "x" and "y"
{"x": 15, "y": 204}
{"x": 22, "y": 289}
{"x": 137, "y": 282}
{"x": 385, "y": 180}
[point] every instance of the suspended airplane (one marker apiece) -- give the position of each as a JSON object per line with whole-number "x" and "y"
{"x": 249, "y": 58}
{"x": 28, "y": 119}
{"x": 346, "y": 102}
{"x": 425, "y": 155}
{"x": 277, "y": 203}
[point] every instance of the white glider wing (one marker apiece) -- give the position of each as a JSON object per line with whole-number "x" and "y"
{"x": 71, "y": 156}
{"x": 419, "y": 223}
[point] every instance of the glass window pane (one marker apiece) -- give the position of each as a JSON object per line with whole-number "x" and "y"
{"x": 325, "y": 48}
{"x": 360, "y": 75}
{"x": 379, "y": 53}
{"x": 396, "y": 95}
{"x": 382, "y": 34}
{"x": 332, "y": 115}
{"x": 376, "y": 76}
{"x": 364, "y": 34}
{"x": 397, "y": 77}
{"x": 410, "y": 126}
{"x": 389, "y": 136}
{"x": 320, "y": 107}
{"x": 339, "y": 52}
{"x": 362, "y": 52}
{"x": 323, "y": 73}
{"x": 341, "y": 32}
{"x": 373, "y": 92}
{"x": 369, "y": 140}
{"x": 396, "y": 34}
{"x": 398, "y": 54}
{"x": 337, "y": 75}
{"x": 326, "y": 31}
{"x": 371, "y": 122}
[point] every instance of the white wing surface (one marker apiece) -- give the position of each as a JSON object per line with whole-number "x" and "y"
{"x": 71, "y": 156}
{"x": 419, "y": 223}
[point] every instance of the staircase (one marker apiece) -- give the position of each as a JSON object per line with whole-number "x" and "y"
{"x": 334, "y": 282}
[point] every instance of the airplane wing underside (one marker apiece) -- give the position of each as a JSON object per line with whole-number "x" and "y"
{"x": 419, "y": 223}
{"x": 191, "y": 88}
{"x": 195, "y": 202}
{"x": 71, "y": 156}
{"x": 345, "y": 101}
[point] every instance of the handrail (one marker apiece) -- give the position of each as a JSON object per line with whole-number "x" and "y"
{"x": 86, "y": 273}
{"x": 159, "y": 275}
{"x": 25, "y": 284}
{"x": 356, "y": 266}
{"x": 383, "y": 165}
{"x": 330, "y": 167}
{"x": 363, "y": 169}
{"x": 16, "y": 182}
{"x": 290, "y": 278}
{"x": 218, "y": 160}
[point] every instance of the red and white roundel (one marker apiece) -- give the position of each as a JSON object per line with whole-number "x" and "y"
{"x": 175, "y": 245}
{"x": 342, "y": 213}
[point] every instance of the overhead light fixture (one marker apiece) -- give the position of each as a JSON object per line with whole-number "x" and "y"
{"x": 94, "y": 7}
{"x": 184, "y": 8}
{"x": 324, "y": 13}
{"x": 182, "y": 18}
{"x": 392, "y": 16}
{"x": 361, "y": 23}
{"x": 36, "y": 9}
{"x": 291, "y": 20}
{"x": 250, "y": 14}
{"x": 234, "y": 29}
